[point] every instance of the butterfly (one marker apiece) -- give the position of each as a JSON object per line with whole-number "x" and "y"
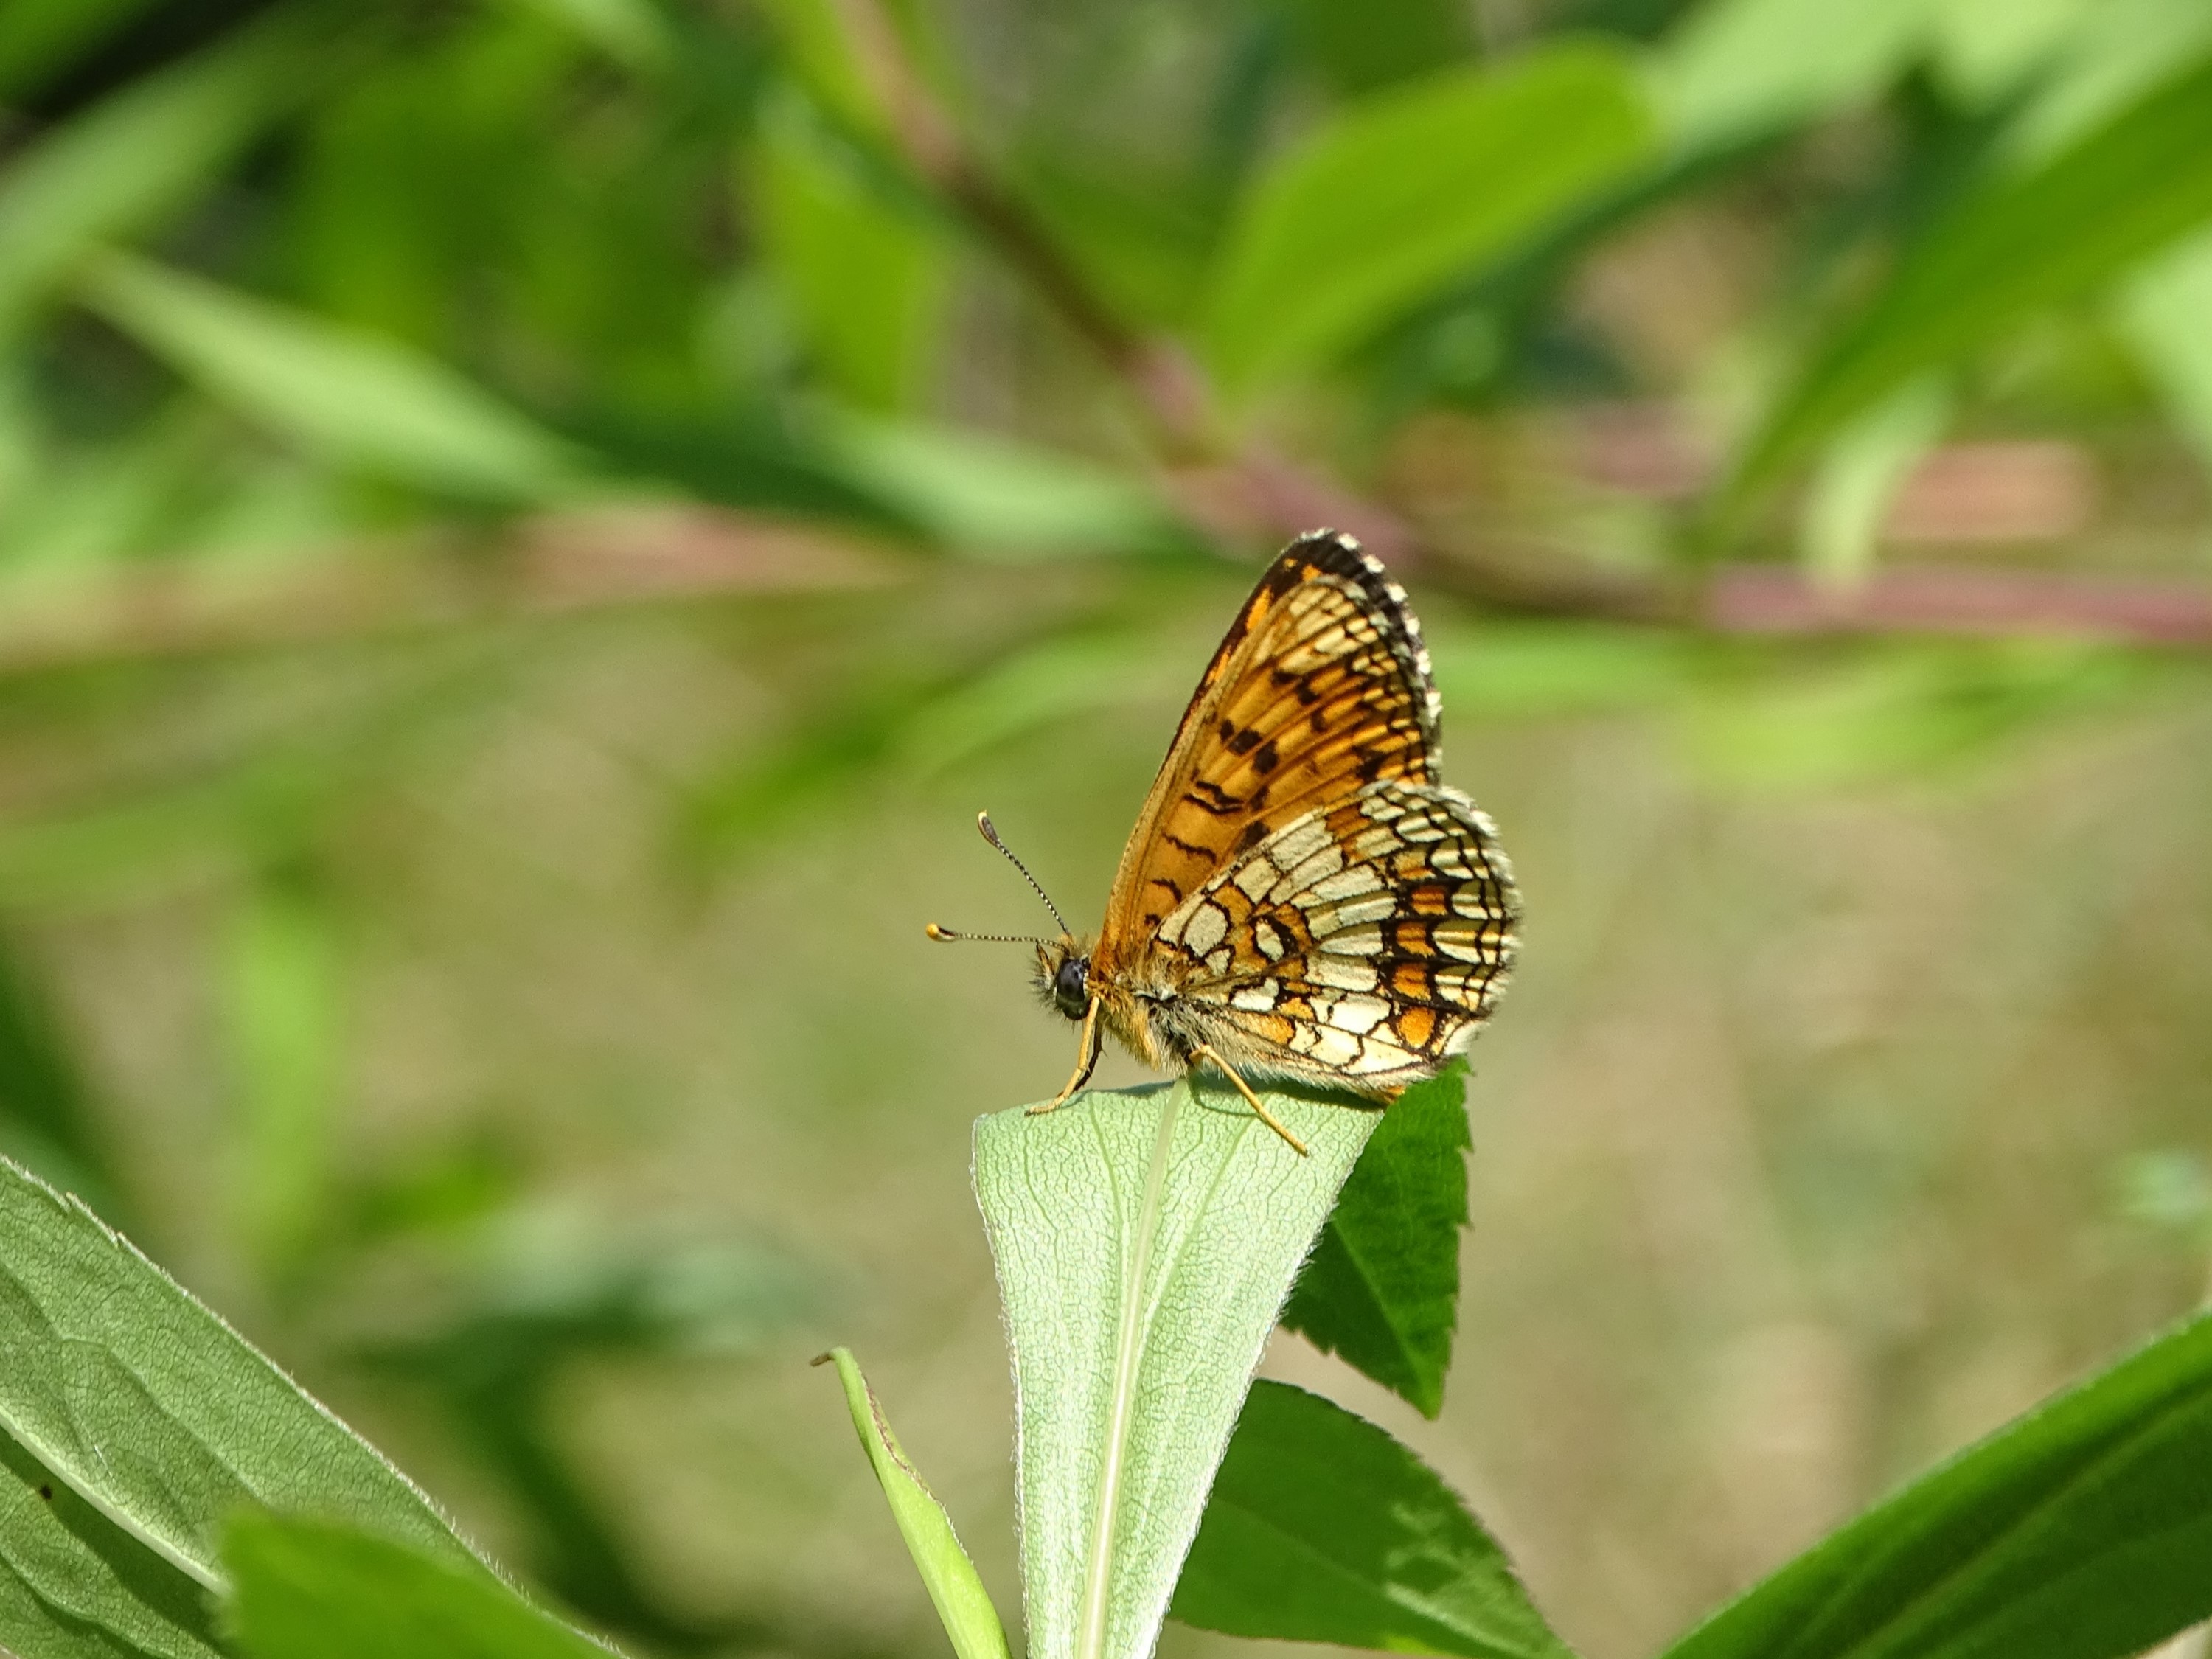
{"x": 1301, "y": 898}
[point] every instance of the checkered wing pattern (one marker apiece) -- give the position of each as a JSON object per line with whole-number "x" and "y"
{"x": 1320, "y": 687}
{"x": 1360, "y": 945}
{"x": 1300, "y": 893}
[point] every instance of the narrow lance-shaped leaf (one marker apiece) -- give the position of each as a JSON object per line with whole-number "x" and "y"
{"x": 1323, "y": 1528}
{"x": 962, "y": 1603}
{"x": 861, "y": 276}
{"x": 284, "y": 997}
{"x": 1414, "y": 189}
{"x": 2055, "y": 235}
{"x": 1864, "y": 466}
{"x": 1144, "y": 1241}
{"x": 350, "y": 396}
{"x": 115, "y": 168}
{"x": 2163, "y": 311}
{"x": 311, "y": 1589}
{"x": 153, "y": 1412}
{"x": 1381, "y": 1290}
{"x": 2082, "y": 1530}
{"x": 1735, "y": 71}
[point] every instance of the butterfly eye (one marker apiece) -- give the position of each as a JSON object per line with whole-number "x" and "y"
{"x": 1071, "y": 988}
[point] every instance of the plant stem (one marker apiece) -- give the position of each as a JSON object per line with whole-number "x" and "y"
{"x": 1128, "y": 1349}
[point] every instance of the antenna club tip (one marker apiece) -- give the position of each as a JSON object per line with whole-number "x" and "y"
{"x": 989, "y": 830}
{"x": 941, "y": 934}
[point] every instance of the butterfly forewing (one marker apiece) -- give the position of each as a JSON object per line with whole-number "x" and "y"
{"x": 1320, "y": 687}
{"x": 1300, "y": 895}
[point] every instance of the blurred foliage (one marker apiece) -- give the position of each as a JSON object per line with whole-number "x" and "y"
{"x": 731, "y": 429}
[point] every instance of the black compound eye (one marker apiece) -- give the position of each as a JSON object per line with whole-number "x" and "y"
{"x": 1071, "y": 988}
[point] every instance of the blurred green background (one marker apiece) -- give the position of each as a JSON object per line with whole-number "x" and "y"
{"x": 529, "y": 527}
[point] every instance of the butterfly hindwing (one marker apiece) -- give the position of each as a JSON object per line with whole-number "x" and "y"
{"x": 1363, "y": 943}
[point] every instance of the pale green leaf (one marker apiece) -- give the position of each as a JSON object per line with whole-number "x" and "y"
{"x": 153, "y": 1412}
{"x": 2080, "y": 1531}
{"x": 1412, "y": 189}
{"x": 990, "y": 498}
{"x": 1860, "y": 473}
{"x": 2118, "y": 51}
{"x": 1144, "y": 1241}
{"x": 962, "y": 1603}
{"x": 311, "y": 1589}
{"x": 2163, "y": 313}
{"x": 282, "y": 998}
{"x": 863, "y": 278}
{"x": 2058, "y": 233}
{"x": 74, "y": 1585}
{"x": 120, "y": 166}
{"x": 1735, "y": 70}
{"x": 351, "y": 396}
{"x": 1988, "y": 49}
{"x": 1323, "y": 1528}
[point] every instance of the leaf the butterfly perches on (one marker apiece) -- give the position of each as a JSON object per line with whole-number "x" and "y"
{"x": 1301, "y": 897}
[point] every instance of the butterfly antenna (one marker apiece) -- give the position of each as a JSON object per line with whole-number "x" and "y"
{"x": 983, "y": 824}
{"x": 950, "y": 936}
{"x": 991, "y": 834}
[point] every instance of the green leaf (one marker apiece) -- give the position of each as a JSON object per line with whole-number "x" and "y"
{"x": 957, "y": 1592}
{"x": 352, "y": 397}
{"x": 863, "y": 278}
{"x": 310, "y": 1590}
{"x": 74, "y": 1585}
{"x": 1412, "y": 189}
{"x": 155, "y": 1413}
{"x": 2116, "y": 51}
{"x": 1381, "y": 1290}
{"x": 1144, "y": 1240}
{"x": 2053, "y": 235}
{"x": 818, "y": 47}
{"x": 137, "y": 156}
{"x": 632, "y": 33}
{"x": 1739, "y": 69}
{"x": 1323, "y": 1528}
{"x": 38, "y": 36}
{"x": 993, "y": 499}
{"x": 2162, "y": 313}
{"x": 1864, "y": 466}
{"x": 2080, "y": 1531}
{"x": 283, "y": 997}
{"x": 1358, "y": 48}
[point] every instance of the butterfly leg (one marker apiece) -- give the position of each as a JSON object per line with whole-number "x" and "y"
{"x": 1205, "y": 1052}
{"x": 1086, "y": 1060}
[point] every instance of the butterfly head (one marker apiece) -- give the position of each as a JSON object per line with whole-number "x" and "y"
{"x": 1063, "y": 963}
{"x": 1064, "y": 974}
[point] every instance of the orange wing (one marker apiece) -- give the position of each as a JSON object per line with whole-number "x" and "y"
{"x": 1320, "y": 688}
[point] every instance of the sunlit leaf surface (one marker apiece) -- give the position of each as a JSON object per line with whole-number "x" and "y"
{"x": 1323, "y": 1528}
{"x": 1411, "y": 190}
{"x": 153, "y": 1412}
{"x": 1381, "y": 1289}
{"x": 1144, "y": 1241}
{"x": 309, "y": 1589}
